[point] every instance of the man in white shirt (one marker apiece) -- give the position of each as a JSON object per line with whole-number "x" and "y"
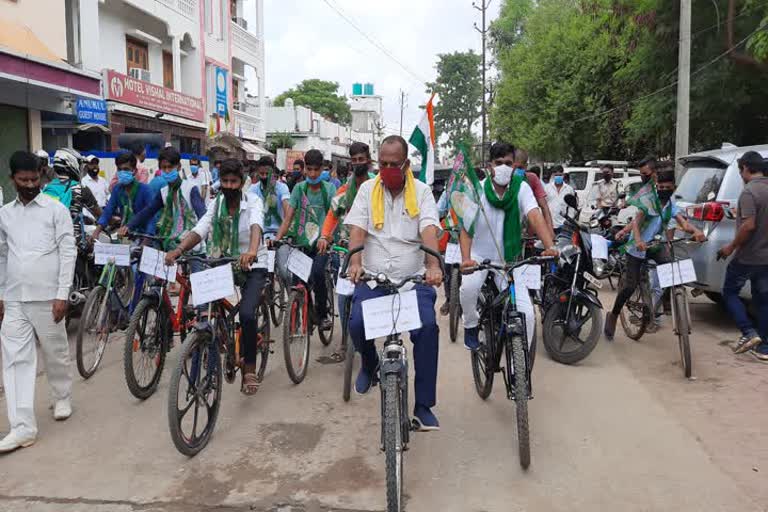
{"x": 98, "y": 186}
{"x": 196, "y": 176}
{"x": 503, "y": 197}
{"x": 392, "y": 215}
{"x": 37, "y": 260}
{"x": 557, "y": 189}
{"x": 608, "y": 189}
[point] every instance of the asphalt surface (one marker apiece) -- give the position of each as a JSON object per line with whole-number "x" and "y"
{"x": 623, "y": 430}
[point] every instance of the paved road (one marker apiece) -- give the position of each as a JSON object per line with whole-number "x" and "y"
{"x": 622, "y": 431}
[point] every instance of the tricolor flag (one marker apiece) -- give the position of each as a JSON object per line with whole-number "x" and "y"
{"x": 423, "y": 138}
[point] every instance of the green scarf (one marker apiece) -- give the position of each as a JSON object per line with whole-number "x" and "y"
{"x": 306, "y": 222}
{"x": 225, "y": 239}
{"x": 177, "y": 217}
{"x": 126, "y": 201}
{"x": 647, "y": 201}
{"x": 512, "y": 227}
{"x": 272, "y": 214}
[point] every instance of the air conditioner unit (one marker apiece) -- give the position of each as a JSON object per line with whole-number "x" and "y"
{"x": 242, "y": 22}
{"x": 238, "y": 106}
{"x": 140, "y": 74}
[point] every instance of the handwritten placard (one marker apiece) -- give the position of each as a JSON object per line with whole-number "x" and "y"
{"x": 153, "y": 263}
{"x": 344, "y": 287}
{"x": 599, "y": 247}
{"x": 390, "y": 314}
{"x": 266, "y": 260}
{"x": 103, "y": 253}
{"x": 300, "y": 264}
{"x": 212, "y": 284}
{"x": 452, "y": 254}
{"x": 677, "y": 273}
{"x": 528, "y": 276}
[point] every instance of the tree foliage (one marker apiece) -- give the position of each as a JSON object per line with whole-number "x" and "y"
{"x": 280, "y": 140}
{"x": 597, "y": 78}
{"x": 459, "y": 89}
{"x": 321, "y": 96}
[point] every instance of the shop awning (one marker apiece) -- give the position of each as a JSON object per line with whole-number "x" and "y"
{"x": 253, "y": 151}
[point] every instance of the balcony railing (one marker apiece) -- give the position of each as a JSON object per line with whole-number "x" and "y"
{"x": 187, "y": 8}
{"x": 246, "y": 45}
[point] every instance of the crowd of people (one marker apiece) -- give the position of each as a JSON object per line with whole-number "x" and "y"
{"x": 231, "y": 210}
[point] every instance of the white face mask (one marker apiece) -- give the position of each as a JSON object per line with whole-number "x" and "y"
{"x": 502, "y": 175}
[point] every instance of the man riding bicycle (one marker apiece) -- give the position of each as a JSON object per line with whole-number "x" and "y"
{"x": 273, "y": 193}
{"x": 656, "y": 210}
{"x": 506, "y": 201}
{"x": 391, "y": 217}
{"x": 234, "y": 220}
{"x": 304, "y": 217}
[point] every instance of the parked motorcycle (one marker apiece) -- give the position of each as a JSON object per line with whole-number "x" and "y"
{"x": 573, "y": 318}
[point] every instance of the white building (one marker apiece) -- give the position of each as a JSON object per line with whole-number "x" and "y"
{"x": 367, "y": 111}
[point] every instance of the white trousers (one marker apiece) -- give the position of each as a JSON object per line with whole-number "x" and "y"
{"x": 470, "y": 291}
{"x": 22, "y": 324}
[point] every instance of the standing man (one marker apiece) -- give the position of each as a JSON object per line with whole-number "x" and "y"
{"x": 392, "y": 215}
{"x": 556, "y": 192}
{"x": 35, "y": 275}
{"x": 95, "y": 183}
{"x": 297, "y": 174}
{"x": 303, "y": 221}
{"x": 273, "y": 193}
{"x": 750, "y": 262}
{"x": 521, "y": 164}
{"x": 142, "y": 172}
{"x": 608, "y": 189}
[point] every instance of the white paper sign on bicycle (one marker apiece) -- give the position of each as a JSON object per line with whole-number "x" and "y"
{"x": 391, "y": 314}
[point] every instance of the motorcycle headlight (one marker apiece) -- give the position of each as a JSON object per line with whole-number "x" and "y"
{"x": 599, "y": 267}
{"x": 568, "y": 253}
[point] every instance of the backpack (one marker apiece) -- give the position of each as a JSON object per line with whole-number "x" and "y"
{"x": 62, "y": 192}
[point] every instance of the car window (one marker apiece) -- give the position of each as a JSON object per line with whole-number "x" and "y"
{"x": 700, "y": 184}
{"x": 578, "y": 179}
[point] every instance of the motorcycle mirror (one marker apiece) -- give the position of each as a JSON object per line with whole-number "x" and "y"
{"x": 571, "y": 201}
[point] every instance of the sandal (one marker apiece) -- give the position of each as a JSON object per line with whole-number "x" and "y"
{"x": 334, "y": 358}
{"x": 250, "y": 384}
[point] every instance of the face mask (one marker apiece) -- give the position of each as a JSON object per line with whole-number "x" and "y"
{"x": 28, "y": 193}
{"x": 645, "y": 178}
{"x": 360, "y": 170}
{"x": 194, "y": 169}
{"x": 392, "y": 177}
{"x": 520, "y": 172}
{"x": 93, "y": 172}
{"x": 607, "y": 177}
{"x": 296, "y": 175}
{"x": 230, "y": 194}
{"x": 559, "y": 180}
{"x": 125, "y": 177}
{"x": 171, "y": 177}
{"x": 325, "y": 176}
{"x": 502, "y": 175}
{"x": 315, "y": 181}
{"x": 665, "y": 195}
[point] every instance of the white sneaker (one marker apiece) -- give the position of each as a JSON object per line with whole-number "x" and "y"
{"x": 62, "y": 410}
{"x": 14, "y": 441}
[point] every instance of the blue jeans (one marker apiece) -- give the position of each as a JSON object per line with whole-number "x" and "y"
{"x": 425, "y": 340}
{"x": 736, "y": 276}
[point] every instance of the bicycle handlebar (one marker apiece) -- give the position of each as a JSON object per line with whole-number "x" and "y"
{"x": 357, "y": 249}
{"x": 211, "y": 262}
{"x": 508, "y": 267}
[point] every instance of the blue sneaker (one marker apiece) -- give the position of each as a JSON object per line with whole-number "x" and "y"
{"x": 365, "y": 380}
{"x": 424, "y": 420}
{"x": 471, "y": 342}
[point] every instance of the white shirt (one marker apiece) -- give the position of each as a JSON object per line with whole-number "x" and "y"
{"x": 251, "y": 213}
{"x": 483, "y": 245}
{"x": 608, "y": 193}
{"x": 99, "y": 188}
{"x": 556, "y": 201}
{"x": 196, "y": 180}
{"x": 37, "y": 250}
{"x": 394, "y": 250}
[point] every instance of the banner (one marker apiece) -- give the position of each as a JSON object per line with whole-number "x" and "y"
{"x": 91, "y": 111}
{"x": 125, "y": 89}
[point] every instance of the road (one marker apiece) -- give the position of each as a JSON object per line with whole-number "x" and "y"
{"x": 621, "y": 431}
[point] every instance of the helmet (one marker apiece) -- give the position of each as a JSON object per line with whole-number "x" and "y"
{"x": 66, "y": 162}
{"x": 43, "y": 156}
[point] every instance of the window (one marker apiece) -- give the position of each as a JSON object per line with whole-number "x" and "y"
{"x": 578, "y": 179}
{"x": 700, "y": 184}
{"x": 137, "y": 54}
{"x": 168, "y": 70}
{"x": 236, "y": 91}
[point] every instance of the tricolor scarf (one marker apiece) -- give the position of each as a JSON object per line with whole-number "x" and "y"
{"x": 512, "y": 226}
{"x": 225, "y": 238}
{"x": 177, "y": 217}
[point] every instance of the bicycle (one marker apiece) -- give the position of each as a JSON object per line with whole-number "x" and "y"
{"x": 211, "y": 352}
{"x": 454, "y": 299}
{"x": 396, "y": 424}
{"x": 105, "y": 311}
{"x": 150, "y": 332}
{"x": 275, "y": 293}
{"x": 502, "y": 329}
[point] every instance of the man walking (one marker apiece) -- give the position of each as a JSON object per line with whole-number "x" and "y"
{"x": 35, "y": 276}
{"x": 751, "y": 248}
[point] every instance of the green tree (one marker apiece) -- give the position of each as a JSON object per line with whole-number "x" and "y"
{"x": 459, "y": 89}
{"x": 280, "y": 140}
{"x": 321, "y": 96}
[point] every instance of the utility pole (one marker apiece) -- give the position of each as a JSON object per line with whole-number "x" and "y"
{"x": 402, "y": 108}
{"x": 683, "y": 85}
{"x": 483, "y": 7}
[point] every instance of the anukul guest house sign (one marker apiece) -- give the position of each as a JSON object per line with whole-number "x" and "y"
{"x": 125, "y": 89}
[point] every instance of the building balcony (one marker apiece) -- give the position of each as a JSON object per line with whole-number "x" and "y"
{"x": 186, "y": 8}
{"x": 246, "y": 46}
{"x": 248, "y": 123}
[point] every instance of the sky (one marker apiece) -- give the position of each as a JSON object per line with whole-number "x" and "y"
{"x": 307, "y": 39}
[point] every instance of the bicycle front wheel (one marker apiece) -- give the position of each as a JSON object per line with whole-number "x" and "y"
{"x": 145, "y": 348}
{"x": 326, "y": 335}
{"x": 454, "y": 304}
{"x": 296, "y": 337}
{"x": 195, "y": 394}
{"x": 636, "y": 313}
{"x": 264, "y": 341}
{"x": 349, "y": 358}
{"x": 483, "y": 367}
{"x": 520, "y": 379}
{"x": 278, "y": 299}
{"x": 393, "y": 443}
{"x": 681, "y": 318}
{"x": 93, "y": 332}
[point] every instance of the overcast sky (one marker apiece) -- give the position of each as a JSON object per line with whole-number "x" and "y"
{"x": 307, "y": 39}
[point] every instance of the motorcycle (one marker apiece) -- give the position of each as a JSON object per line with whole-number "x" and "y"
{"x": 604, "y": 222}
{"x": 573, "y": 318}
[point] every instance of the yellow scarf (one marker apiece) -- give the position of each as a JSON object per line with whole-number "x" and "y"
{"x": 377, "y": 199}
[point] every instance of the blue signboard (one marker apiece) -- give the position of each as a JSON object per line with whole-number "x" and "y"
{"x": 91, "y": 111}
{"x": 221, "y": 92}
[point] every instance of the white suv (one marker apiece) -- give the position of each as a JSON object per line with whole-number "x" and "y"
{"x": 584, "y": 181}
